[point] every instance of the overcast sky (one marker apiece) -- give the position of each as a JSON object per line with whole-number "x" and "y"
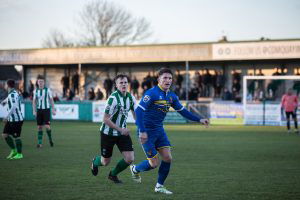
{"x": 25, "y": 23}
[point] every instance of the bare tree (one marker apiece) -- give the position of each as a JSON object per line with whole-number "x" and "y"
{"x": 56, "y": 39}
{"x": 103, "y": 24}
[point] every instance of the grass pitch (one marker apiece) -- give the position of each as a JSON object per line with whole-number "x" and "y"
{"x": 221, "y": 162}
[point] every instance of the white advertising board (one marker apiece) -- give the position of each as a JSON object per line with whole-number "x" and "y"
{"x": 254, "y": 114}
{"x": 66, "y": 111}
{"x": 98, "y": 112}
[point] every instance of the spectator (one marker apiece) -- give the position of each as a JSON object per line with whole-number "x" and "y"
{"x": 182, "y": 93}
{"x": 207, "y": 83}
{"x": 99, "y": 94}
{"x": 31, "y": 88}
{"x": 178, "y": 78}
{"x": 56, "y": 98}
{"x": 274, "y": 85}
{"x": 194, "y": 93}
{"x": 24, "y": 94}
{"x": 236, "y": 87}
{"x": 251, "y": 88}
{"x": 148, "y": 79}
{"x": 75, "y": 82}
{"x": 135, "y": 87}
{"x": 91, "y": 94}
{"x": 227, "y": 95}
{"x": 260, "y": 73}
{"x": 70, "y": 94}
{"x": 296, "y": 85}
{"x": 144, "y": 86}
{"x": 196, "y": 78}
{"x": 220, "y": 83}
{"x": 177, "y": 91}
{"x": 65, "y": 81}
{"x": 154, "y": 81}
{"x": 108, "y": 85}
{"x": 200, "y": 83}
{"x": 236, "y": 76}
{"x": 260, "y": 83}
{"x": 297, "y": 72}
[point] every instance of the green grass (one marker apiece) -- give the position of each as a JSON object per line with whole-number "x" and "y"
{"x": 221, "y": 162}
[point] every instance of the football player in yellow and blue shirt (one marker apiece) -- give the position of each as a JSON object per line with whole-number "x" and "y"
{"x": 150, "y": 115}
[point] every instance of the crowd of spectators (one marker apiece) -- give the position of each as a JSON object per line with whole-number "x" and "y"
{"x": 259, "y": 90}
{"x": 203, "y": 83}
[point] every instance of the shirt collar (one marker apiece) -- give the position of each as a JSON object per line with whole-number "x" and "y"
{"x": 11, "y": 91}
{"x": 162, "y": 89}
{"x": 120, "y": 93}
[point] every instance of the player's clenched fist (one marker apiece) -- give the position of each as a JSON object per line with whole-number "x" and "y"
{"x": 143, "y": 137}
{"x": 205, "y": 122}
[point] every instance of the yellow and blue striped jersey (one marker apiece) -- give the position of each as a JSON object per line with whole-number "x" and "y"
{"x": 156, "y": 104}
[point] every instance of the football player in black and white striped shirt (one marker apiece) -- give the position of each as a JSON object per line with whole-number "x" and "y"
{"x": 41, "y": 104}
{"x": 13, "y": 122}
{"x": 114, "y": 130}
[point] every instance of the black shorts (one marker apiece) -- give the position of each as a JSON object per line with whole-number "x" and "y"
{"x": 123, "y": 143}
{"x": 13, "y": 128}
{"x": 288, "y": 114}
{"x": 43, "y": 117}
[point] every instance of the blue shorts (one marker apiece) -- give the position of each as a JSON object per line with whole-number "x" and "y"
{"x": 157, "y": 139}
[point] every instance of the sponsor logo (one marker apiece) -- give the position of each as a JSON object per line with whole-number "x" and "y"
{"x": 146, "y": 98}
{"x": 164, "y": 109}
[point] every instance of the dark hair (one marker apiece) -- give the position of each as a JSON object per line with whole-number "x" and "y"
{"x": 10, "y": 83}
{"x": 40, "y": 77}
{"x": 164, "y": 70}
{"x": 121, "y": 76}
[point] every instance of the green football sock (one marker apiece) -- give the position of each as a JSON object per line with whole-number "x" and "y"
{"x": 49, "y": 134}
{"x": 97, "y": 161}
{"x": 40, "y": 137}
{"x": 10, "y": 142}
{"x": 122, "y": 165}
{"x": 19, "y": 145}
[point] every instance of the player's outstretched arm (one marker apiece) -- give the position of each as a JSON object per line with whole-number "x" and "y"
{"x": 190, "y": 116}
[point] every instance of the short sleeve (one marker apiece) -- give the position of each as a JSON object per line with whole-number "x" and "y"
{"x": 133, "y": 105}
{"x": 50, "y": 93}
{"x": 110, "y": 105}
